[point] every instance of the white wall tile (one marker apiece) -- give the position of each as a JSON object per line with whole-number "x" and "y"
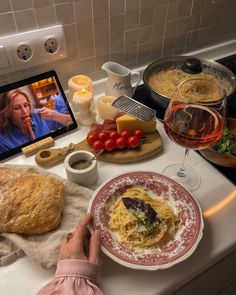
{"x": 132, "y": 32}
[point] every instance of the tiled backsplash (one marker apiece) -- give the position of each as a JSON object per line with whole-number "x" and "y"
{"x": 130, "y": 32}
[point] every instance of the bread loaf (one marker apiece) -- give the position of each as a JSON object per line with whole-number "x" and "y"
{"x": 29, "y": 203}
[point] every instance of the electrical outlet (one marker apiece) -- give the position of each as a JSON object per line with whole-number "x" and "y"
{"x": 32, "y": 48}
{"x": 24, "y": 52}
{"x": 52, "y": 44}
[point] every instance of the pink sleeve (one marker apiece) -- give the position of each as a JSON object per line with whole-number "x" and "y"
{"x": 73, "y": 277}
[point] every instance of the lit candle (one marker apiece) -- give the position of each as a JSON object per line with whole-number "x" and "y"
{"x": 79, "y": 82}
{"x": 82, "y": 99}
{"x": 82, "y": 105}
{"x": 105, "y": 109}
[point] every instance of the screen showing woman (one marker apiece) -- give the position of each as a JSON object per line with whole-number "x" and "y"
{"x": 31, "y": 112}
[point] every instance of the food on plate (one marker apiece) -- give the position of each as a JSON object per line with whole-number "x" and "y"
{"x": 97, "y": 146}
{"x": 109, "y": 144}
{"x": 121, "y": 143}
{"x": 110, "y": 141}
{"x": 227, "y": 144}
{"x": 127, "y": 122}
{"x": 133, "y": 141}
{"x": 166, "y": 82}
{"x": 29, "y": 203}
{"x": 102, "y": 135}
{"x": 111, "y": 135}
{"x": 107, "y": 125}
{"x": 140, "y": 221}
{"x": 139, "y": 133}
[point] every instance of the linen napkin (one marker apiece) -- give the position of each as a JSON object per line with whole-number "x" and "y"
{"x": 43, "y": 248}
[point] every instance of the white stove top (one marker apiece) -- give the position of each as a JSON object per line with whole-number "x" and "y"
{"x": 216, "y": 197}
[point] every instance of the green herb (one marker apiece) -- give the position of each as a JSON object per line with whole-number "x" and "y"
{"x": 226, "y": 145}
{"x": 145, "y": 225}
{"x": 144, "y": 213}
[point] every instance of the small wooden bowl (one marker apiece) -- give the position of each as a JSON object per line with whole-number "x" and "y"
{"x": 219, "y": 158}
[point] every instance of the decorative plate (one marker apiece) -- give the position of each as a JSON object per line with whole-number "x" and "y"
{"x": 179, "y": 199}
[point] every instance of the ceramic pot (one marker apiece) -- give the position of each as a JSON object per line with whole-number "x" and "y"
{"x": 75, "y": 172}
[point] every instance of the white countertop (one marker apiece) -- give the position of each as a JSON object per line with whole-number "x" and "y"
{"x": 24, "y": 277}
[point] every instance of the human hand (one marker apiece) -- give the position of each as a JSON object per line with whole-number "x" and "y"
{"x": 46, "y": 114}
{"x": 74, "y": 247}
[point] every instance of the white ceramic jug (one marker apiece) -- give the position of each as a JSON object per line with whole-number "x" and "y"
{"x": 119, "y": 79}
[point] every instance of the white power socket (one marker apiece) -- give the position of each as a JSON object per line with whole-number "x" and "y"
{"x": 32, "y": 48}
{"x": 52, "y": 45}
{"x": 24, "y": 53}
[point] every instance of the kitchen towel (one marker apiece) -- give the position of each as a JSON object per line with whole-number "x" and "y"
{"x": 43, "y": 248}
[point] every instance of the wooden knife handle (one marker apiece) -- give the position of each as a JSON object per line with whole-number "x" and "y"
{"x": 49, "y": 157}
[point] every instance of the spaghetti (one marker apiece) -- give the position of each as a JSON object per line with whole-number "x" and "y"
{"x": 166, "y": 82}
{"x": 129, "y": 224}
{"x": 28, "y": 127}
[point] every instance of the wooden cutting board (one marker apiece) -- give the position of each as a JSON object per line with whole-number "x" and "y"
{"x": 130, "y": 155}
{"x": 52, "y": 156}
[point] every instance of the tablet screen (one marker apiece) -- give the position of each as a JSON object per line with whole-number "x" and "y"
{"x": 32, "y": 109}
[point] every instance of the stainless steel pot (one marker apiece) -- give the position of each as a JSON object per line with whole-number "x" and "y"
{"x": 176, "y": 62}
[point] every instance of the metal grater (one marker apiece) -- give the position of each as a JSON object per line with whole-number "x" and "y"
{"x": 134, "y": 108}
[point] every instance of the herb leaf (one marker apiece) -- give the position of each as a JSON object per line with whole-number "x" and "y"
{"x": 144, "y": 213}
{"x": 226, "y": 145}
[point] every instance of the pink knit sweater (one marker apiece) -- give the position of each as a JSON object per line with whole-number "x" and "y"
{"x": 73, "y": 277}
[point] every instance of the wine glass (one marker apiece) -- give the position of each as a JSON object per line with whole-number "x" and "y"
{"x": 194, "y": 119}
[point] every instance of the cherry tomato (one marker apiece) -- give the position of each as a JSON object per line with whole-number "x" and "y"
{"x": 139, "y": 133}
{"x": 121, "y": 142}
{"x": 102, "y": 135}
{"x": 97, "y": 145}
{"x": 113, "y": 135}
{"x": 91, "y": 137}
{"x": 109, "y": 145}
{"x": 125, "y": 133}
{"x": 133, "y": 141}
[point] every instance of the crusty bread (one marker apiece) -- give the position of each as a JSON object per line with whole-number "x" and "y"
{"x": 29, "y": 203}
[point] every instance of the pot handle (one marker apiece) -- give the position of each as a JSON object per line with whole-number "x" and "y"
{"x": 192, "y": 66}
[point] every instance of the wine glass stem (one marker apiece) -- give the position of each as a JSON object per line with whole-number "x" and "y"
{"x": 181, "y": 172}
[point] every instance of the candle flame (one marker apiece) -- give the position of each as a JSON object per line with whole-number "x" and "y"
{"x": 83, "y": 90}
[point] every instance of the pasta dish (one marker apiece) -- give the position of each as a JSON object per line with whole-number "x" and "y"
{"x": 166, "y": 82}
{"x": 142, "y": 222}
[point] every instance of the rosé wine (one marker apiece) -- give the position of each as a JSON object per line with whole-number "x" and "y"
{"x": 193, "y": 126}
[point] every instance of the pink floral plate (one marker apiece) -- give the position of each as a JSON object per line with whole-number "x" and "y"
{"x": 179, "y": 199}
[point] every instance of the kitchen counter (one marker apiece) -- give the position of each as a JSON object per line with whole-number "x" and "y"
{"x": 216, "y": 196}
{"x": 24, "y": 277}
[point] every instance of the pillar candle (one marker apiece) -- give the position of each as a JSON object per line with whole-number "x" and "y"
{"x": 105, "y": 109}
{"x": 82, "y": 99}
{"x": 79, "y": 82}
